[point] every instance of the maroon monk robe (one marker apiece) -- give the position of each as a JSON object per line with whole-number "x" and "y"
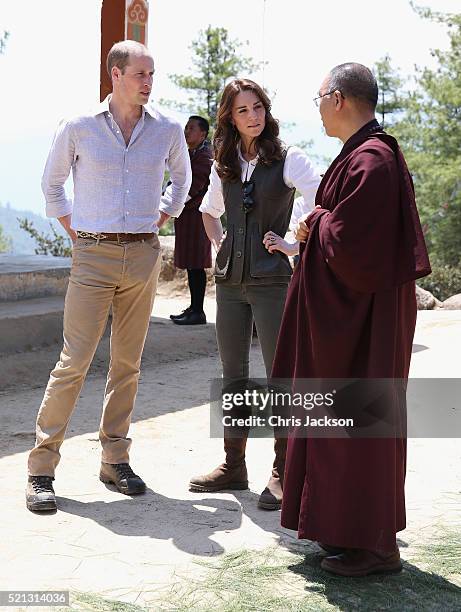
{"x": 351, "y": 312}
{"x": 192, "y": 248}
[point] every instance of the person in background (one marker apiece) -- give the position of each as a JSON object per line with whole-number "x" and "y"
{"x": 253, "y": 181}
{"x": 192, "y": 249}
{"x": 351, "y": 314}
{"x": 118, "y": 156}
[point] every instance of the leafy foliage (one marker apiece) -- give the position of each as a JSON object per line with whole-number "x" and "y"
{"x": 430, "y": 135}
{"x": 56, "y": 245}
{"x": 5, "y": 241}
{"x": 3, "y": 40}
{"x": 444, "y": 281}
{"x": 390, "y": 99}
{"x": 215, "y": 58}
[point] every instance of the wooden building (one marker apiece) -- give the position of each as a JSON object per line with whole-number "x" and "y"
{"x": 120, "y": 20}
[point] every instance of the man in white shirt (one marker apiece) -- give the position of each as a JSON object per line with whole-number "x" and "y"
{"x": 118, "y": 156}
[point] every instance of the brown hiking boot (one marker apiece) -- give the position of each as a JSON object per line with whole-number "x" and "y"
{"x": 221, "y": 478}
{"x": 271, "y": 497}
{"x": 40, "y": 494}
{"x": 232, "y": 474}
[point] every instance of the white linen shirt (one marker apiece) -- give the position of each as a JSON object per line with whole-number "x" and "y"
{"x": 117, "y": 187}
{"x": 298, "y": 171}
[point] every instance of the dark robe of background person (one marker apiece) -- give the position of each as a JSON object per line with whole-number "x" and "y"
{"x": 351, "y": 312}
{"x": 192, "y": 247}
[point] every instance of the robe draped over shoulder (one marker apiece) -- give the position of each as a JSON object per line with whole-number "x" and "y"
{"x": 351, "y": 313}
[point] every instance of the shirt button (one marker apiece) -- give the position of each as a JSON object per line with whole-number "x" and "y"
{"x": 239, "y": 253}
{"x": 240, "y": 230}
{"x": 128, "y": 191}
{"x": 126, "y": 170}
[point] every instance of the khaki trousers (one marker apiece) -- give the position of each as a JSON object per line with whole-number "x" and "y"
{"x": 103, "y": 275}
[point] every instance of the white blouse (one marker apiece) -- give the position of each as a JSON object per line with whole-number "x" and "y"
{"x": 298, "y": 172}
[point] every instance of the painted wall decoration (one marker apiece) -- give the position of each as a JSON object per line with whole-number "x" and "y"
{"x": 120, "y": 20}
{"x": 137, "y": 13}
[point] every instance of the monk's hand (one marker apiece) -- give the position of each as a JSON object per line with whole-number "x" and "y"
{"x": 302, "y": 231}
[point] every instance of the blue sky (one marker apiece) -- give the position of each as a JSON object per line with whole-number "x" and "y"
{"x": 51, "y": 66}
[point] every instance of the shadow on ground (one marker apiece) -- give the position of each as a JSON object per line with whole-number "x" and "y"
{"x": 413, "y": 589}
{"x": 188, "y": 523}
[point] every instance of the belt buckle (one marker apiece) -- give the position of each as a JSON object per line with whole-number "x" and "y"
{"x": 93, "y": 235}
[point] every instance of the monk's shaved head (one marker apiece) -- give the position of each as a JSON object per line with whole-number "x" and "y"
{"x": 355, "y": 81}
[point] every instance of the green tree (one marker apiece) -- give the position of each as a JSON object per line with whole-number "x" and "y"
{"x": 5, "y": 242}
{"x": 430, "y": 134}
{"x": 391, "y": 100}
{"x": 3, "y": 40}
{"x": 215, "y": 58}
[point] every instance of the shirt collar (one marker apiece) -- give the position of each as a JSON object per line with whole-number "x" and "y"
{"x": 201, "y": 146}
{"x": 103, "y": 107}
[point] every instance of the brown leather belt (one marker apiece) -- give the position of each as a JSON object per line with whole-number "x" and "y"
{"x": 118, "y": 237}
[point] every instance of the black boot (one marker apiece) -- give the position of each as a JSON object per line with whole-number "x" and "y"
{"x": 191, "y": 318}
{"x": 182, "y": 314}
{"x": 123, "y": 477}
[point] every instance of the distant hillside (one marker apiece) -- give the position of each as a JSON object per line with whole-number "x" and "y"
{"x": 22, "y": 242}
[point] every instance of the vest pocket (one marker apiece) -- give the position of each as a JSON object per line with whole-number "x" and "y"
{"x": 264, "y": 264}
{"x": 222, "y": 267}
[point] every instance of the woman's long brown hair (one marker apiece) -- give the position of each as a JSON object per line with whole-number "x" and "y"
{"x": 268, "y": 145}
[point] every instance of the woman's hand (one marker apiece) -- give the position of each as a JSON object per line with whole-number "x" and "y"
{"x": 274, "y": 242}
{"x": 213, "y": 229}
{"x": 217, "y": 244}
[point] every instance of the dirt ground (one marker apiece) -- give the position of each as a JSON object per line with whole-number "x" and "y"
{"x": 132, "y": 549}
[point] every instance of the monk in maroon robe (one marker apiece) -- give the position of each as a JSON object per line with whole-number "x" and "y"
{"x": 351, "y": 313}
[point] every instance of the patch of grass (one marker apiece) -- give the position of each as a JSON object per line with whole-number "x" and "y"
{"x": 96, "y": 603}
{"x": 278, "y": 579}
{"x": 443, "y": 555}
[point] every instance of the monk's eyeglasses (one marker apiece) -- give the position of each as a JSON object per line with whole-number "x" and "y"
{"x": 316, "y": 100}
{"x": 247, "y": 202}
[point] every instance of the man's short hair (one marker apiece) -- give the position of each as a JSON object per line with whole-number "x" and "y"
{"x": 202, "y": 122}
{"x": 119, "y": 54}
{"x": 355, "y": 81}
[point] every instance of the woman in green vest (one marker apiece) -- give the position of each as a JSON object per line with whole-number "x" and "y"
{"x": 253, "y": 181}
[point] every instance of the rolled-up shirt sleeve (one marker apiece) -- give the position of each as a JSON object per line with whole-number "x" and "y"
{"x": 213, "y": 201}
{"x": 178, "y": 163}
{"x": 301, "y": 173}
{"x": 57, "y": 169}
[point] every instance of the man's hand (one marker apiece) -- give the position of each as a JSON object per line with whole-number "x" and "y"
{"x": 65, "y": 222}
{"x": 163, "y": 219}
